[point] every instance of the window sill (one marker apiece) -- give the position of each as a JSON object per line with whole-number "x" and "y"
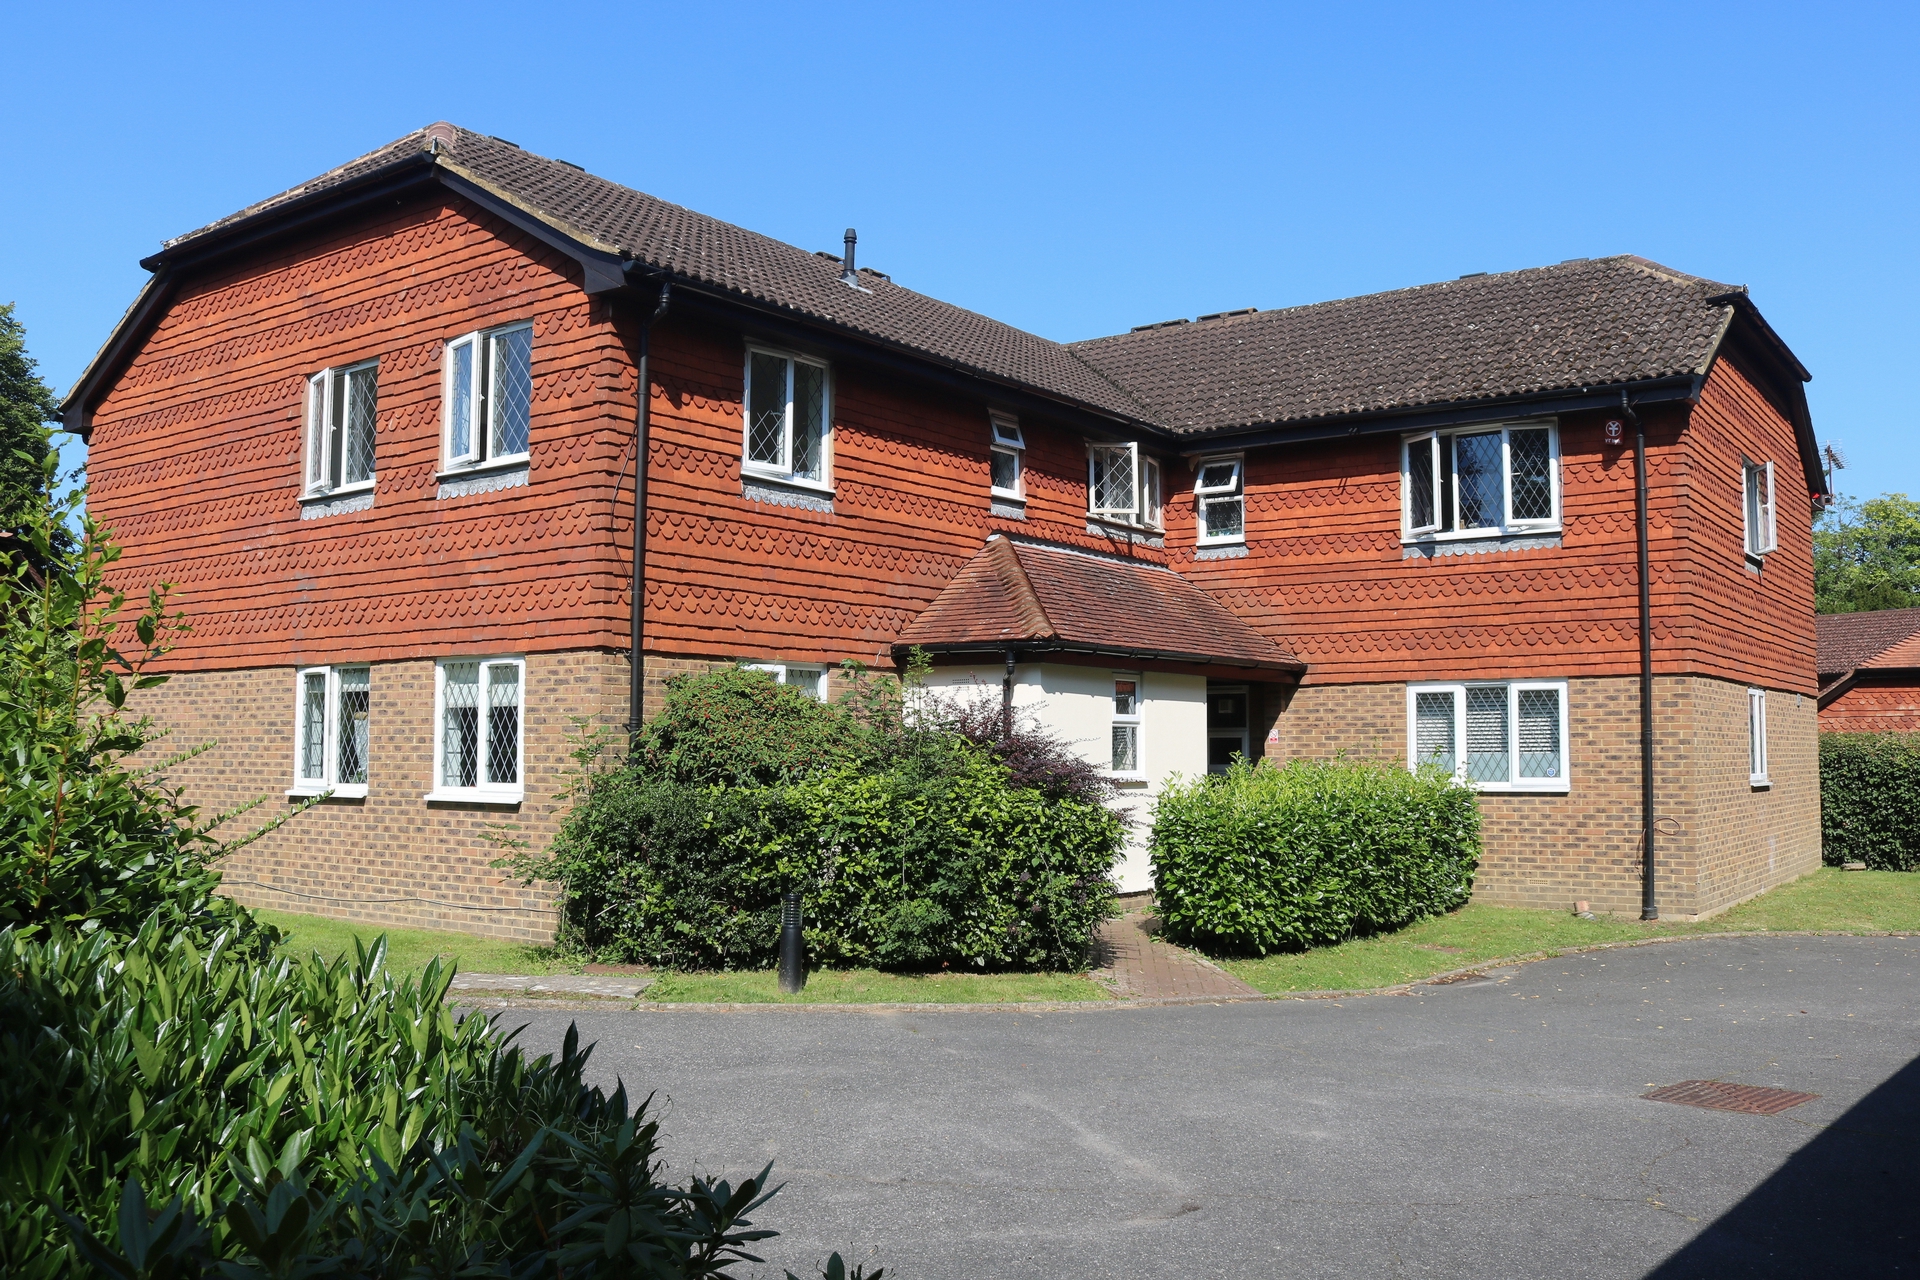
{"x": 465, "y": 795}
{"x": 780, "y": 491}
{"x": 783, "y": 478}
{"x": 341, "y": 491}
{"x": 1760, "y": 784}
{"x": 507, "y": 463}
{"x": 1428, "y": 546}
{"x": 485, "y": 478}
{"x": 1543, "y": 787}
{"x": 1221, "y": 549}
{"x": 1138, "y": 534}
{"x": 1128, "y": 779}
{"x": 1007, "y": 506}
{"x": 335, "y": 502}
{"x": 345, "y": 791}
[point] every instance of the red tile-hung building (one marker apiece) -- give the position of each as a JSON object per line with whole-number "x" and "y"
{"x": 1869, "y": 665}
{"x": 380, "y": 431}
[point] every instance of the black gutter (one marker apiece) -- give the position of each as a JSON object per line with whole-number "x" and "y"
{"x": 1681, "y": 387}
{"x": 636, "y": 611}
{"x": 1649, "y": 891}
{"x": 1030, "y": 650}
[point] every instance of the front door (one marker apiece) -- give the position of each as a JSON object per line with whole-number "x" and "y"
{"x": 1226, "y": 725}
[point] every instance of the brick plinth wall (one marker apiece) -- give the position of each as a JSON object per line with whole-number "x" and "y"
{"x": 392, "y": 858}
{"x": 1720, "y": 839}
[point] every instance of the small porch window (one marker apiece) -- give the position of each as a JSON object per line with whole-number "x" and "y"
{"x": 1126, "y": 724}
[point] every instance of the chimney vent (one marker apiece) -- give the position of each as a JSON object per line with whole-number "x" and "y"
{"x": 847, "y": 273}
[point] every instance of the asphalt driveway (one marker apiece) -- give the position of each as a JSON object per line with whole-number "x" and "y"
{"x": 1490, "y": 1128}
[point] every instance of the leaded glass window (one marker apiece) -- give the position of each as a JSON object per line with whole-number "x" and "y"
{"x": 489, "y": 396}
{"x": 1218, "y": 493}
{"x": 1006, "y": 456}
{"x": 1126, "y": 724}
{"x": 1491, "y": 736}
{"x": 787, "y": 413}
{"x": 1480, "y": 480}
{"x": 480, "y": 730}
{"x": 341, "y": 409}
{"x": 332, "y": 733}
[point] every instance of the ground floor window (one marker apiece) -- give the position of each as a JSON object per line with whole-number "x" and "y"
{"x": 1757, "y": 737}
{"x": 331, "y": 730}
{"x": 1126, "y": 723}
{"x": 1509, "y": 736}
{"x": 479, "y": 729}
{"x": 810, "y": 680}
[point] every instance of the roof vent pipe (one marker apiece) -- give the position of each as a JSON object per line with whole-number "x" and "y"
{"x": 847, "y": 273}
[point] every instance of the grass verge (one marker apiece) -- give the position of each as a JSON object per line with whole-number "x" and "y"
{"x": 408, "y": 950}
{"x": 869, "y": 986}
{"x": 1826, "y": 901}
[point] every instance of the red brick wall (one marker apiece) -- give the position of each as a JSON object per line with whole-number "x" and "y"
{"x": 1889, "y": 706}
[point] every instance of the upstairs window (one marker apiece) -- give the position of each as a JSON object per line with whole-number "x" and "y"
{"x": 340, "y": 413}
{"x": 479, "y": 730}
{"x": 786, "y": 428}
{"x": 1008, "y": 457}
{"x": 1757, "y": 494}
{"x": 1757, "y": 738}
{"x": 1493, "y": 737}
{"x": 1126, "y": 724}
{"x": 331, "y": 725}
{"x": 489, "y": 397}
{"x": 809, "y": 680}
{"x": 1482, "y": 480}
{"x": 1220, "y": 501}
{"x": 1123, "y": 487}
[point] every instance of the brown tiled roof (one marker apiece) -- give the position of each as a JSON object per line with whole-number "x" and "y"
{"x": 693, "y": 246}
{"x": 1038, "y": 597}
{"x": 1849, "y": 640}
{"x": 1578, "y": 324}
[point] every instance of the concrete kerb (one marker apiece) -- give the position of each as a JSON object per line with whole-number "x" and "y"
{"x": 1483, "y": 968}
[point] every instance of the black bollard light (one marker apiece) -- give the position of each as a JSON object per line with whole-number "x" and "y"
{"x": 793, "y": 948}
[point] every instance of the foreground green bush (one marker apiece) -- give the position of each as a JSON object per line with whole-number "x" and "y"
{"x": 911, "y": 844}
{"x": 1263, "y": 859}
{"x": 320, "y": 1114}
{"x": 1870, "y": 800}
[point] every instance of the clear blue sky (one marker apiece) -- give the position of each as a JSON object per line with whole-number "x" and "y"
{"x": 1073, "y": 170}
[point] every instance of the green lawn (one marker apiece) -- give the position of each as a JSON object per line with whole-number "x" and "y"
{"x": 868, "y": 986}
{"x": 1826, "y": 901}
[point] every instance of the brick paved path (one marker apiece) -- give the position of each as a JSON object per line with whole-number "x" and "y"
{"x": 1137, "y": 965}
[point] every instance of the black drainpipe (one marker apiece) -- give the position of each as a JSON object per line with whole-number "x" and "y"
{"x": 636, "y": 663}
{"x": 1649, "y": 895}
{"x": 1006, "y": 699}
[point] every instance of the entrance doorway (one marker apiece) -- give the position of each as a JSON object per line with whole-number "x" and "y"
{"x": 1226, "y": 725}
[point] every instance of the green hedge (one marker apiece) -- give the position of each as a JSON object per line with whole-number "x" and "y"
{"x": 1263, "y": 859}
{"x": 902, "y": 868}
{"x": 1870, "y": 799}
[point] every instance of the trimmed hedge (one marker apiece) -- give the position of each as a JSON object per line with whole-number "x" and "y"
{"x": 1263, "y": 859}
{"x": 1870, "y": 800}
{"x": 904, "y": 868}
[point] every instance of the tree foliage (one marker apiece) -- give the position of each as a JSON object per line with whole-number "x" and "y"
{"x": 1866, "y": 555}
{"x": 26, "y": 405}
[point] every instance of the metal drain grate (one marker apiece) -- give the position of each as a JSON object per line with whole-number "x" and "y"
{"x": 1752, "y": 1099}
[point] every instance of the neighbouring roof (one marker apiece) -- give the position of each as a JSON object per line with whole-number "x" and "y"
{"x": 1845, "y": 641}
{"x": 1031, "y": 596}
{"x": 1579, "y": 324}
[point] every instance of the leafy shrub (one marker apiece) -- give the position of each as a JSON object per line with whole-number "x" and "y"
{"x": 736, "y": 726}
{"x": 85, "y": 841}
{"x": 1035, "y": 759}
{"x": 909, "y": 844}
{"x": 302, "y": 1118}
{"x": 1264, "y": 859}
{"x": 1870, "y": 799}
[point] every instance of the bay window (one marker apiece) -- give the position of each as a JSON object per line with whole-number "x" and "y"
{"x": 1220, "y": 501}
{"x": 1510, "y": 736}
{"x": 1480, "y": 481}
{"x": 489, "y": 397}
{"x": 331, "y": 730}
{"x": 786, "y": 433}
{"x": 478, "y": 730}
{"x": 340, "y": 416}
{"x": 1123, "y": 486}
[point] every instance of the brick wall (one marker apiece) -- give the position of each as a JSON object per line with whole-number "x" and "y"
{"x": 392, "y": 858}
{"x": 1720, "y": 840}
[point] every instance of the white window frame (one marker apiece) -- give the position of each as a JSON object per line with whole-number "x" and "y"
{"x": 1431, "y": 440}
{"x": 481, "y": 401}
{"x": 1005, "y": 437}
{"x": 330, "y": 733}
{"x": 1514, "y": 688}
{"x": 781, "y": 672}
{"x": 483, "y": 792}
{"x": 1757, "y": 513}
{"x": 784, "y": 473}
{"x": 317, "y": 458}
{"x": 1757, "y": 738}
{"x": 1205, "y": 496}
{"x": 1134, "y": 721}
{"x": 1145, "y": 509}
